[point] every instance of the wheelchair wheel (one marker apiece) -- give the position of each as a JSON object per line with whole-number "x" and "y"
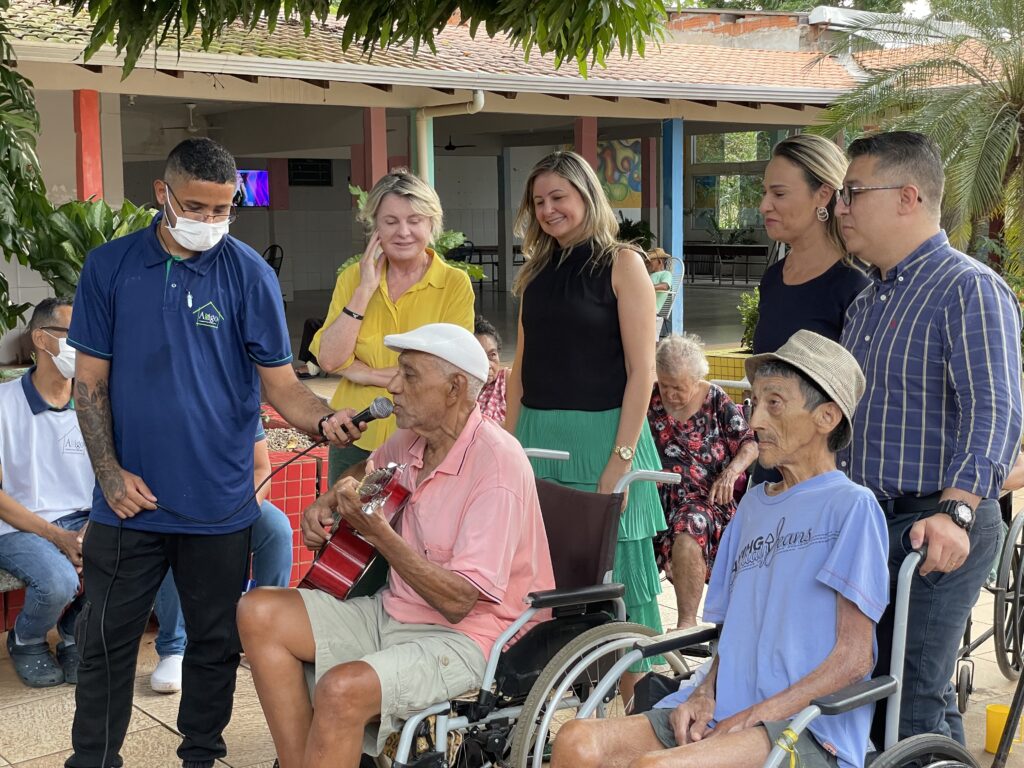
{"x": 926, "y": 750}
{"x": 524, "y": 734}
{"x": 1008, "y": 622}
{"x": 964, "y": 687}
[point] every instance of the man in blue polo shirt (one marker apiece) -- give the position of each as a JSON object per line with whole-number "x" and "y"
{"x": 176, "y": 327}
{"x": 44, "y": 504}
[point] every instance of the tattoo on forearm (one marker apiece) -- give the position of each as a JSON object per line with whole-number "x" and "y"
{"x": 94, "y": 419}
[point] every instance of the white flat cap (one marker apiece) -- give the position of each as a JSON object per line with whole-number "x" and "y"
{"x": 446, "y": 341}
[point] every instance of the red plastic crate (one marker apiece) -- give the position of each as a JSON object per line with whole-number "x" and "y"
{"x": 11, "y": 605}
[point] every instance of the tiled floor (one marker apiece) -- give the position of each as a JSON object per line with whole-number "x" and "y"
{"x": 35, "y": 725}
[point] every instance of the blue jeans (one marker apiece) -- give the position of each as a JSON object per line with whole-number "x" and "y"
{"x": 939, "y": 606}
{"x": 50, "y": 578}
{"x": 271, "y": 567}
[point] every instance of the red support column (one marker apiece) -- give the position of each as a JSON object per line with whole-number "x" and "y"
{"x": 585, "y": 139}
{"x": 278, "y": 183}
{"x": 358, "y": 160}
{"x": 88, "y": 145}
{"x": 375, "y": 144}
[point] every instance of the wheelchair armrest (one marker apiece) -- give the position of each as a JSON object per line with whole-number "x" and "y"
{"x": 857, "y": 695}
{"x": 676, "y": 641}
{"x": 560, "y": 598}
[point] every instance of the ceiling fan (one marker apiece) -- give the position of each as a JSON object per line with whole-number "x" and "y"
{"x": 449, "y": 147}
{"x": 191, "y": 127}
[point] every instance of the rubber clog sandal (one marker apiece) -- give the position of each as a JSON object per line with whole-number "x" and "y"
{"x": 69, "y": 660}
{"x": 35, "y": 664}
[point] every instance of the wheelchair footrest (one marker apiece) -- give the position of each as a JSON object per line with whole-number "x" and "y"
{"x": 428, "y": 760}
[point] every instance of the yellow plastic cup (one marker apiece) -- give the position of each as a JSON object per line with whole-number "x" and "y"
{"x": 995, "y": 721}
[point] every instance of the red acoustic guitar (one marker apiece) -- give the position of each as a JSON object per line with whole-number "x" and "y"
{"x": 347, "y": 565}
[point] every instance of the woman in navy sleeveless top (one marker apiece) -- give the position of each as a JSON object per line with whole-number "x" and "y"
{"x": 811, "y": 288}
{"x": 814, "y": 284}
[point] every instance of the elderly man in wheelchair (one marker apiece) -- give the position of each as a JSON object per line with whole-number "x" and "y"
{"x": 800, "y": 581}
{"x": 470, "y": 547}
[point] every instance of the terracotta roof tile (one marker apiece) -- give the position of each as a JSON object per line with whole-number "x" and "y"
{"x": 39, "y": 21}
{"x": 969, "y": 52}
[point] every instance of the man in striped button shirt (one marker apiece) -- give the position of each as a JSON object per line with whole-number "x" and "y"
{"x": 937, "y": 335}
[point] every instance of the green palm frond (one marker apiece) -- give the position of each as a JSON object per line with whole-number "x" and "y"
{"x": 958, "y": 79}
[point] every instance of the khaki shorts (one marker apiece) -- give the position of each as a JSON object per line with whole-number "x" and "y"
{"x": 809, "y": 751}
{"x": 418, "y": 664}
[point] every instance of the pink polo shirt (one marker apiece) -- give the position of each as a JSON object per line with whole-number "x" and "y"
{"x": 476, "y": 515}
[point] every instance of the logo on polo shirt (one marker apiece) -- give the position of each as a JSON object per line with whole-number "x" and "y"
{"x": 208, "y": 316}
{"x": 72, "y": 442}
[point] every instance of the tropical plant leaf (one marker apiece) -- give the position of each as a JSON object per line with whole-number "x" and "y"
{"x": 571, "y": 30}
{"x": 958, "y": 77}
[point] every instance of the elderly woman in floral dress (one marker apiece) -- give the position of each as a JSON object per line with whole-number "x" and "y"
{"x": 701, "y": 434}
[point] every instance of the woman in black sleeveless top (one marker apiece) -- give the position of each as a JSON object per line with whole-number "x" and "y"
{"x": 584, "y": 360}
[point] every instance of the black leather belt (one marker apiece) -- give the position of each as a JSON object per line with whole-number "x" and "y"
{"x": 906, "y": 505}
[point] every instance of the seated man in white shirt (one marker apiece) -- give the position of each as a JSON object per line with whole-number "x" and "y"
{"x": 44, "y": 504}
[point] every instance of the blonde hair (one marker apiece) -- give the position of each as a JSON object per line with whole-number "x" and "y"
{"x": 421, "y": 197}
{"x": 599, "y": 223}
{"x": 823, "y": 163}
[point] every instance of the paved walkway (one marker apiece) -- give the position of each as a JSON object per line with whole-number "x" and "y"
{"x": 35, "y": 725}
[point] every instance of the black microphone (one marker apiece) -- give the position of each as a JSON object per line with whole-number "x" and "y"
{"x": 380, "y": 408}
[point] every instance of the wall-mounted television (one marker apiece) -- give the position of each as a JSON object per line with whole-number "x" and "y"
{"x": 253, "y": 189}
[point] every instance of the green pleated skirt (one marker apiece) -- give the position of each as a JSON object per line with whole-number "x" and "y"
{"x": 589, "y": 437}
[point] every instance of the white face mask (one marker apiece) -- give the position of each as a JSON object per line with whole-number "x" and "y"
{"x": 194, "y": 235}
{"x": 65, "y": 358}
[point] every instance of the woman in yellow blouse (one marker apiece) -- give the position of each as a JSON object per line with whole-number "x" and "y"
{"x": 398, "y": 285}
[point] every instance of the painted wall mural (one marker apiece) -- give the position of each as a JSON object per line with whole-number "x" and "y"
{"x": 618, "y": 167}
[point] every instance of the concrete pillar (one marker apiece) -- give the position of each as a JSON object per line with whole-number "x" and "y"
{"x": 585, "y": 139}
{"x": 375, "y": 145}
{"x": 672, "y": 203}
{"x": 425, "y": 170}
{"x": 649, "y": 182}
{"x": 506, "y": 219}
{"x": 88, "y": 145}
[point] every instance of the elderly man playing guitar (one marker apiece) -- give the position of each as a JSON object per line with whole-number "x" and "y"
{"x": 465, "y": 549}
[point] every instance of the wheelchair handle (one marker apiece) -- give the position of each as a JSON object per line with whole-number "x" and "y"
{"x": 546, "y": 453}
{"x": 646, "y": 474}
{"x": 901, "y": 612}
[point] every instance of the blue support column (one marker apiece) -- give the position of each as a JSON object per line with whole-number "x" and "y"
{"x": 672, "y": 204}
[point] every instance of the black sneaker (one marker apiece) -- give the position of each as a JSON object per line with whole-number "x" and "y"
{"x": 69, "y": 659}
{"x": 34, "y": 663}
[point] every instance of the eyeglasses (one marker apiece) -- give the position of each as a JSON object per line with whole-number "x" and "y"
{"x": 846, "y": 194}
{"x": 195, "y": 215}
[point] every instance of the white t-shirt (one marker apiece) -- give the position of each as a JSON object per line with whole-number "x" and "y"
{"x": 42, "y": 454}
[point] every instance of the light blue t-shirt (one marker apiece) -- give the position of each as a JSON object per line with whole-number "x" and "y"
{"x": 773, "y": 587}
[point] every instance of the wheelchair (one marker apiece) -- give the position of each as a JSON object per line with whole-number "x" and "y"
{"x": 1007, "y": 589}
{"x": 920, "y": 751}
{"x": 497, "y": 724}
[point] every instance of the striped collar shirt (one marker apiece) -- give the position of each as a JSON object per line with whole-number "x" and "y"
{"x": 938, "y": 339}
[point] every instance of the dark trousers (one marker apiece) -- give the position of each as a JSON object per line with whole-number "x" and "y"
{"x": 939, "y": 606}
{"x": 309, "y": 329}
{"x": 210, "y": 573}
